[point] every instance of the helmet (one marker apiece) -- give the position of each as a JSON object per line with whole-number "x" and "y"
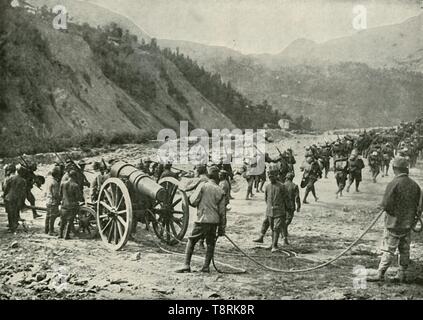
{"x": 56, "y": 173}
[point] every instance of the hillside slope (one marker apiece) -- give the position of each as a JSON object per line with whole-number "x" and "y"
{"x": 56, "y": 86}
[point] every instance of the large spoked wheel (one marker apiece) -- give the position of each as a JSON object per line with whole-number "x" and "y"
{"x": 114, "y": 213}
{"x": 171, "y": 217}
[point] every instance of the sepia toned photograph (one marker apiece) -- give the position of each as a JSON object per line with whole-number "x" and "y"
{"x": 211, "y": 154}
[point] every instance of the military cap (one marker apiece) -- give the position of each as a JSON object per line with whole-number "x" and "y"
{"x": 400, "y": 162}
{"x": 213, "y": 170}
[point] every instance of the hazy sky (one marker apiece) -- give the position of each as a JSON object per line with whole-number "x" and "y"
{"x": 257, "y": 26}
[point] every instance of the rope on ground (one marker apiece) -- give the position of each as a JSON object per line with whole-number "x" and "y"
{"x": 312, "y": 268}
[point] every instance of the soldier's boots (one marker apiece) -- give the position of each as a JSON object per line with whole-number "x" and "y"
{"x": 188, "y": 255}
{"x": 47, "y": 225}
{"x": 275, "y": 239}
{"x": 208, "y": 259}
{"x": 379, "y": 277}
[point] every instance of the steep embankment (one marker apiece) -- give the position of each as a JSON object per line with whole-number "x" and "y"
{"x": 58, "y": 85}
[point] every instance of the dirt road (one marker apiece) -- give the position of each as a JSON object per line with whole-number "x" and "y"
{"x": 36, "y": 266}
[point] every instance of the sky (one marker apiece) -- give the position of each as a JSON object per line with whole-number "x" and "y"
{"x": 257, "y": 26}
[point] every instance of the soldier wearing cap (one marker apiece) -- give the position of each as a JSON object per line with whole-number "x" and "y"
{"x": 374, "y": 164}
{"x": 402, "y": 206}
{"x": 340, "y": 164}
{"x": 209, "y": 199}
{"x": 14, "y": 197}
{"x": 53, "y": 200}
{"x": 70, "y": 195}
{"x": 276, "y": 197}
{"x": 294, "y": 200}
{"x": 312, "y": 173}
{"x": 387, "y": 156}
{"x": 224, "y": 184}
{"x": 355, "y": 166}
{"x": 29, "y": 176}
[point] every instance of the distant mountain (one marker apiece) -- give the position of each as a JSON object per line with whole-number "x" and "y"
{"x": 205, "y": 55}
{"x": 393, "y": 46}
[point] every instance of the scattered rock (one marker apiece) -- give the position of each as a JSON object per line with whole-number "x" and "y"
{"x": 136, "y": 256}
{"x": 14, "y": 245}
{"x": 115, "y": 288}
{"x": 41, "y": 276}
{"x": 118, "y": 281}
{"x": 80, "y": 282}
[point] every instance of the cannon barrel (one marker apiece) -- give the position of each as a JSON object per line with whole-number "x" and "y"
{"x": 139, "y": 180}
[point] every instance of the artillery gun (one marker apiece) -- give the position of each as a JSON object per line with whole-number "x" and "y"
{"x": 130, "y": 195}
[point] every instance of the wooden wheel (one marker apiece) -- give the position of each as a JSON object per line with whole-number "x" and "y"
{"x": 171, "y": 217}
{"x": 114, "y": 213}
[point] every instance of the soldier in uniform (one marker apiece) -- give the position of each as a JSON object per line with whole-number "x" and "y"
{"x": 15, "y": 192}
{"x": 70, "y": 195}
{"x": 402, "y": 206}
{"x": 341, "y": 172}
{"x": 29, "y": 176}
{"x": 294, "y": 200}
{"x": 276, "y": 197}
{"x": 324, "y": 154}
{"x": 98, "y": 182}
{"x": 53, "y": 200}
{"x": 312, "y": 173}
{"x": 387, "y": 156}
{"x": 209, "y": 199}
{"x": 224, "y": 184}
{"x": 374, "y": 164}
{"x": 355, "y": 166}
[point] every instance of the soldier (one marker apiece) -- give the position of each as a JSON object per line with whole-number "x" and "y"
{"x": 374, "y": 164}
{"x": 402, "y": 206}
{"x": 70, "y": 195}
{"x": 81, "y": 179}
{"x": 355, "y": 166}
{"x": 14, "y": 197}
{"x": 29, "y": 176}
{"x": 340, "y": 164}
{"x": 312, "y": 173}
{"x": 98, "y": 182}
{"x": 284, "y": 167}
{"x": 279, "y": 224}
{"x": 53, "y": 201}
{"x": 224, "y": 184}
{"x": 246, "y": 173}
{"x": 209, "y": 199}
{"x": 147, "y": 163}
{"x": 276, "y": 197}
{"x": 387, "y": 156}
{"x": 325, "y": 158}
{"x": 294, "y": 200}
